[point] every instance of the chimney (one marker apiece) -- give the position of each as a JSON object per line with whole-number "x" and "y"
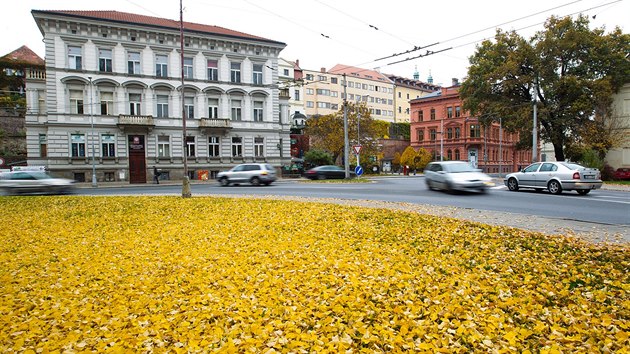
{"x": 297, "y": 62}
{"x": 455, "y": 81}
{"x": 323, "y": 70}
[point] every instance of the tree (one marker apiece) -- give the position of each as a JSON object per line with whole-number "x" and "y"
{"x": 569, "y": 69}
{"x": 326, "y": 132}
{"x": 408, "y": 157}
{"x": 317, "y": 157}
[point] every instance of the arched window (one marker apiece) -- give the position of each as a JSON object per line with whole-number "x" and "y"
{"x": 457, "y": 157}
{"x": 449, "y": 154}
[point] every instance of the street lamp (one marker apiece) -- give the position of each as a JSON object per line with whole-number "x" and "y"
{"x": 92, "y": 138}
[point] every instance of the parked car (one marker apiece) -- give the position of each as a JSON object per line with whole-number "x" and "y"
{"x": 622, "y": 173}
{"x": 555, "y": 177}
{"x": 34, "y": 182}
{"x": 456, "y": 175}
{"x": 254, "y": 173}
{"x": 326, "y": 172}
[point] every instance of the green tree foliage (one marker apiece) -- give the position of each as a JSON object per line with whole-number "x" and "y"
{"x": 571, "y": 71}
{"x": 400, "y": 130}
{"x": 318, "y": 157}
{"x": 326, "y": 132}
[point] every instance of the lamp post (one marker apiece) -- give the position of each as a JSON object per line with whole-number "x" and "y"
{"x": 500, "y": 147}
{"x": 94, "y": 184}
{"x": 345, "y": 129}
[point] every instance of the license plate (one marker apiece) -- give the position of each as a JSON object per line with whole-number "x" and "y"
{"x": 589, "y": 177}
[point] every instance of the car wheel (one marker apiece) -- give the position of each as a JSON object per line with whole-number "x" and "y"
{"x": 224, "y": 182}
{"x": 512, "y": 184}
{"x": 429, "y": 185}
{"x": 583, "y": 191}
{"x": 255, "y": 181}
{"x": 554, "y": 187}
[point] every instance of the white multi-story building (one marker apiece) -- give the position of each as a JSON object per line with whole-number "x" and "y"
{"x": 111, "y": 98}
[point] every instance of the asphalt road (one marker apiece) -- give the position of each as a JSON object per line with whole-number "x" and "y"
{"x": 602, "y": 207}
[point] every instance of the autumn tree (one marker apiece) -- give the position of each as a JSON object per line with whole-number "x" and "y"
{"x": 569, "y": 69}
{"x": 326, "y": 132}
{"x": 408, "y": 157}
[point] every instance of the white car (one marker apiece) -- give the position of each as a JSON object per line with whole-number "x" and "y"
{"x": 456, "y": 175}
{"x": 34, "y": 182}
{"x": 555, "y": 177}
{"x": 253, "y": 173}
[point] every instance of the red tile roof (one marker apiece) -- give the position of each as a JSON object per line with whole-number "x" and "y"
{"x": 24, "y": 54}
{"x": 352, "y": 71}
{"x": 129, "y": 18}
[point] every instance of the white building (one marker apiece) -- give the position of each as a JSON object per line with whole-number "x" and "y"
{"x": 112, "y": 91}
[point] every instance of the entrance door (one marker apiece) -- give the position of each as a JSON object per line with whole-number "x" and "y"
{"x": 137, "y": 159}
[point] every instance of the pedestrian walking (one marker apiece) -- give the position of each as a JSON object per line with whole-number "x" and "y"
{"x": 156, "y": 175}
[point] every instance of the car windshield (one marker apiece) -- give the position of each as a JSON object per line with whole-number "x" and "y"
{"x": 459, "y": 167}
{"x": 572, "y": 166}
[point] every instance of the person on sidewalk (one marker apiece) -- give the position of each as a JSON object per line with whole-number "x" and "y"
{"x": 156, "y": 175}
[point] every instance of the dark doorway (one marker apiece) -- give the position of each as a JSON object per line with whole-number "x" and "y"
{"x": 137, "y": 159}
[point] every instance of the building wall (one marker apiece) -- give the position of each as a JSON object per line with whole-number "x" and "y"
{"x": 64, "y": 85}
{"x": 406, "y": 90}
{"x": 620, "y": 157}
{"x": 463, "y": 138}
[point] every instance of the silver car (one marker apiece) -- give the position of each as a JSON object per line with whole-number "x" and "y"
{"x": 254, "y": 173}
{"x": 555, "y": 177}
{"x": 34, "y": 182}
{"x": 456, "y": 175}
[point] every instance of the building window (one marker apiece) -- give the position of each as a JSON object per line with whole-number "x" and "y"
{"x": 310, "y": 104}
{"x": 43, "y": 145}
{"x": 107, "y": 103}
{"x": 449, "y": 133}
{"x": 77, "y": 145}
{"x": 108, "y": 145}
{"x": 259, "y": 144}
{"x": 449, "y": 155}
{"x": 420, "y": 134}
{"x": 420, "y": 115}
{"x": 457, "y": 157}
{"x": 257, "y": 78}
{"x": 76, "y": 102}
{"x": 432, "y": 113}
{"x": 458, "y": 111}
{"x": 322, "y": 78}
{"x": 74, "y": 58}
{"x": 188, "y": 68}
{"x": 309, "y": 77}
{"x": 213, "y": 70}
{"x": 333, "y": 80}
{"x": 399, "y": 109}
{"x": 449, "y": 112}
{"x": 164, "y": 146}
{"x": 214, "y": 146}
{"x": 285, "y": 72}
{"x": 407, "y": 96}
{"x": 190, "y": 146}
{"x": 161, "y": 65}
{"x": 235, "y": 72}
{"x": 134, "y": 104}
{"x": 236, "y": 110}
{"x": 457, "y": 133}
{"x": 237, "y": 146}
{"x": 432, "y": 134}
{"x": 105, "y": 60}
{"x": 475, "y": 132}
{"x": 162, "y": 106}
{"x": 189, "y": 107}
{"x": 309, "y": 91}
{"x": 296, "y": 95}
{"x": 213, "y": 108}
{"x": 133, "y": 63}
{"x": 258, "y": 111}
{"x": 399, "y": 94}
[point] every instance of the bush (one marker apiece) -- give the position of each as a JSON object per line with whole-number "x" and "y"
{"x": 318, "y": 157}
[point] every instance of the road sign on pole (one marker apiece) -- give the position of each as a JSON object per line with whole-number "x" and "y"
{"x": 358, "y": 170}
{"x": 357, "y": 149}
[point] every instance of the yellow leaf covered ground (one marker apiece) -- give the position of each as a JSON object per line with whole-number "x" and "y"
{"x": 167, "y": 274}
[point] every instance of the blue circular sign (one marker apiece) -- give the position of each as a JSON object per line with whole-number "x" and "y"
{"x": 358, "y": 170}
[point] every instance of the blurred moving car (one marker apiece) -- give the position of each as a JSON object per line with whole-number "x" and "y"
{"x": 253, "y": 173}
{"x": 456, "y": 175}
{"x": 34, "y": 182}
{"x": 622, "y": 174}
{"x": 556, "y": 177}
{"x": 326, "y": 172}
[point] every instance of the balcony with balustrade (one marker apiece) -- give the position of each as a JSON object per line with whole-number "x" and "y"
{"x": 135, "y": 123}
{"x": 214, "y": 126}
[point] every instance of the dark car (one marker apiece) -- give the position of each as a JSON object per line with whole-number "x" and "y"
{"x": 622, "y": 173}
{"x": 326, "y": 172}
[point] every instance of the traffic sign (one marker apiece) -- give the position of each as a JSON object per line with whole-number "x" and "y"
{"x": 358, "y": 170}
{"x": 357, "y": 149}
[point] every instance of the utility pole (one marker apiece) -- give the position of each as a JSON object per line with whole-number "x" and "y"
{"x": 535, "y": 128}
{"x": 358, "y": 136}
{"x": 442, "y": 139}
{"x": 500, "y": 147}
{"x": 346, "y": 163}
{"x": 185, "y": 181}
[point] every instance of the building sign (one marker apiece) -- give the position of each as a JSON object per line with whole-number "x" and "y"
{"x": 136, "y": 142}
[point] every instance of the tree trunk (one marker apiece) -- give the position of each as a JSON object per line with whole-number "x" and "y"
{"x": 558, "y": 150}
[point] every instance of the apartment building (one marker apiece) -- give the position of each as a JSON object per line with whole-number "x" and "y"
{"x": 113, "y": 98}
{"x": 290, "y": 79}
{"x": 441, "y": 126}
{"x": 405, "y": 90}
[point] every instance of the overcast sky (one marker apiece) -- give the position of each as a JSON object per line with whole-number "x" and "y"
{"x": 323, "y": 33}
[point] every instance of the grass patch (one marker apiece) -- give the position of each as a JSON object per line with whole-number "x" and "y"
{"x": 168, "y": 274}
{"x": 622, "y": 183}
